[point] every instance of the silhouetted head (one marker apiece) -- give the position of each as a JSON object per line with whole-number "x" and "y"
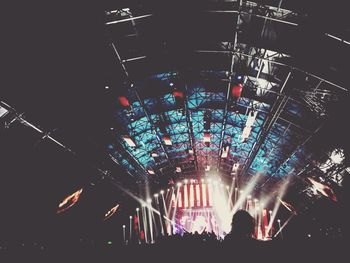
{"x": 242, "y": 224}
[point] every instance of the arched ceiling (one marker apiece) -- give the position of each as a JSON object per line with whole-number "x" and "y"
{"x": 176, "y": 72}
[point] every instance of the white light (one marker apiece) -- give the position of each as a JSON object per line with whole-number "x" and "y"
{"x": 149, "y": 200}
{"x": 130, "y": 217}
{"x": 155, "y": 195}
{"x": 162, "y": 192}
{"x": 178, "y": 169}
{"x": 106, "y": 87}
{"x": 179, "y": 184}
{"x": 168, "y": 190}
{"x": 185, "y": 181}
{"x": 129, "y": 141}
{"x": 154, "y": 155}
{"x": 270, "y": 211}
{"x": 124, "y": 226}
{"x": 167, "y": 141}
{"x": 190, "y": 151}
{"x": 171, "y": 84}
{"x": 137, "y": 209}
{"x": 202, "y": 180}
{"x": 279, "y": 220}
{"x": 150, "y": 171}
{"x": 3, "y": 111}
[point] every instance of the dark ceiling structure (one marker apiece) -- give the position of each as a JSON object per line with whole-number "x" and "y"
{"x": 141, "y": 93}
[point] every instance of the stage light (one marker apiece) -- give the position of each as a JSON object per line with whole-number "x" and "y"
{"x": 202, "y": 180}
{"x": 69, "y": 201}
{"x": 190, "y": 151}
{"x": 178, "y": 169}
{"x": 171, "y": 84}
{"x": 227, "y": 187}
{"x": 239, "y": 77}
{"x": 155, "y": 195}
{"x": 149, "y": 200}
{"x": 123, "y": 101}
{"x": 129, "y": 141}
{"x": 185, "y": 181}
{"x": 179, "y": 184}
{"x": 150, "y": 171}
{"x": 110, "y": 212}
{"x": 124, "y": 226}
{"x": 130, "y": 217}
{"x": 236, "y": 90}
{"x": 168, "y": 190}
{"x": 162, "y": 192}
{"x": 279, "y": 220}
{"x": 137, "y": 209}
{"x": 154, "y": 155}
{"x": 3, "y": 111}
{"x": 109, "y": 242}
{"x": 106, "y": 87}
{"x": 167, "y": 140}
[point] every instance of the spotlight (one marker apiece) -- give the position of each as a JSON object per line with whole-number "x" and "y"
{"x": 179, "y": 184}
{"x": 168, "y": 190}
{"x": 171, "y": 84}
{"x": 227, "y": 187}
{"x": 162, "y": 192}
{"x": 202, "y": 180}
{"x": 124, "y": 226}
{"x": 185, "y": 181}
{"x": 256, "y": 200}
{"x": 279, "y": 220}
{"x": 130, "y": 217}
{"x": 137, "y": 209}
{"x": 107, "y": 87}
{"x": 149, "y": 200}
{"x": 270, "y": 212}
{"x": 239, "y": 77}
{"x": 155, "y": 195}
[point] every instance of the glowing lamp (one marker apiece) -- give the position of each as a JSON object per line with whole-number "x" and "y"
{"x": 178, "y": 169}
{"x": 178, "y": 94}
{"x": 206, "y": 137}
{"x": 129, "y": 141}
{"x": 123, "y": 101}
{"x": 236, "y": 91}
{"x": 150, "y": 171}
{"x": 167, "y": 140}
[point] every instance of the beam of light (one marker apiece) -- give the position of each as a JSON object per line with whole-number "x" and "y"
{"x": 110, "y": 213}
{"x": 323, "y": 189}
{"x": 144, "y": 221}
{"x": 247, "y": 191}
{"x": 150, "y": 224}
{"x": 284, "y": 225}
{"x": 130, "y": 227}
{"x": 69, "y": 201}
{"x": 281, "y": 193}
{"x": 124, "y": 234}
{"x": 288, "y": 206}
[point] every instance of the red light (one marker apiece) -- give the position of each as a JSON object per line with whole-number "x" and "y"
{"x": 123, "y": 101}
{"x": 237, "y": 90}
{"x": 178, "y": 94}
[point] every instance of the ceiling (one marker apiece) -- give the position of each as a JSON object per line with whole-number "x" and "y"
{"x": 171, "y": 70}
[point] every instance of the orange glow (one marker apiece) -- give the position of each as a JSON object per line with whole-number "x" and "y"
{"x": 323, "y": 189}
{"x": 69, "y": 201}
{"x": 111, "y": 212}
